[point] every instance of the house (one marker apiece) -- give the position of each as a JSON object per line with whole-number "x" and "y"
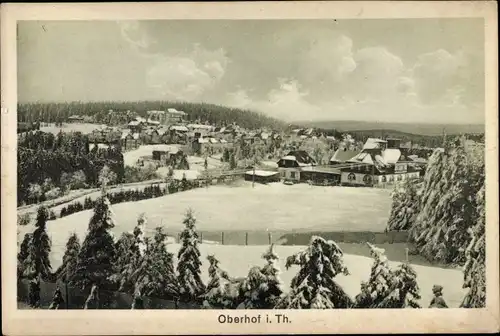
{"x": 198, "y": 145}
{"x": 130, "y": 140}
{"x": 291, "y": 164}
{"x": 135, "y": 126}
{"x": 377, "y": 163}
{"x": 262, "y": 176}
{"x": 174, "y": 116}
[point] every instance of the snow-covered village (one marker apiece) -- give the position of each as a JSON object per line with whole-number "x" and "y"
{"x": 211, "y": 171}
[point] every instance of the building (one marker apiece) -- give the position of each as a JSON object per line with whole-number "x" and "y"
{"x": 380, "y": 161}
{"x": 130, "y": 140}
{"x": 324, "y": 175}
{"x": 262, "y": 176}
{"x": 290, "y": 166}
{"x": 169, "y": 117}
{"x": 75, "y": 119}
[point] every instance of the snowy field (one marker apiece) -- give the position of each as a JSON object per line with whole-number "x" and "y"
{"x": 130, "y": 157}
{"x": 77, "y": 127}
{"x": 273, "y": 207}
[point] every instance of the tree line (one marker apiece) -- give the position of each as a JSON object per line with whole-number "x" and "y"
{"x": 214, "y": 114}
{"x": 445, "y": 214}
{"x": 134, "y": 195}
{"x": 143, "y": 267}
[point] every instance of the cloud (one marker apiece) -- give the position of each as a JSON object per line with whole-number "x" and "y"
{"x": 287, "y": 102}
{"x": 327, "y": 60}
{"x": 177, "y": 76}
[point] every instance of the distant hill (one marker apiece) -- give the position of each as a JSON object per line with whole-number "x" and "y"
{"x": 215, "y": 114}
{"x": 396, "y": 128}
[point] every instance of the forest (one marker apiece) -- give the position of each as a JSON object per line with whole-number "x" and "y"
{"x": 99, "y": 111}
{"x": 48, "y": 162}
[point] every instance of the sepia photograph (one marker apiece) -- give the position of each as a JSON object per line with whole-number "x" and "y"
{"x": 251, "y": 164}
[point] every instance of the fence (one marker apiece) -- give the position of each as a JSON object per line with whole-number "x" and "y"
{"x": 74, "y": 298}
{"x": 298, "y": 238}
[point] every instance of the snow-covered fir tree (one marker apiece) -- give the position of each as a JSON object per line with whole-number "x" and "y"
{"x": 388, "y": 288}
{"x": 216, "y": 293}
{"x": 314, "y": 286}
{"x": 132, "y": 248}
{"x": 475, "y": 265}
{"x": 189, "y": 263}
{"x": 404, "y": 291}
{"x": 405, "y": 205}
{"x": 155, "y": 273}
{"x": 68, "y": 268}
{"x": 23, "y": 254}
{"x": 37, "y": 263}
{"x": 95, "y": 260}
{"x": 448, "y": 203}
{"x": 271, "y": 271}
{"x": 377, "y": 288}
{"x": 252, "y": 290}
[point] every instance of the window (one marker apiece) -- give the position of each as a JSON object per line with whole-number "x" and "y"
{"x": 292, "y": 175}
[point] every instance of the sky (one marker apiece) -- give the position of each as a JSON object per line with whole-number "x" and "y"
{"x": 393, "y": 70}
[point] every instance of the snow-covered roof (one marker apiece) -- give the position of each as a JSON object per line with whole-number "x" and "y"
{"x": 391, "y": 155}
{"x": 134, "y": 123}
{"x": 174, "y": 111}
{"x": 261, "y": 173}
{"x": 213, "y": 140}
{"x": 125, "y": 133}
{"x": 342, "y": 155}
{"x": 223, "y": 141}
{"x": 372, "y": 143}
{"x": 202, "y": 140}
{"x": 141, "y": 119}
{"x": 153, "y": 122}
{"x": 289, "y": 157}
{"x": 179, "y": 128}
{"x": 264, "y": 136}
{"x": 303, "y": 136}
{"x": 199, "y": 126}
{"x": 99, "y": 146}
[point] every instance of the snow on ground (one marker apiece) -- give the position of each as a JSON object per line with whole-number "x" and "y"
{"x": 130, "y": 157}
{"x": 77, "y": 127}
{"x": 198, "y": 163}
{"x": 273, "y": 207}
{"x": 179, "y": 173}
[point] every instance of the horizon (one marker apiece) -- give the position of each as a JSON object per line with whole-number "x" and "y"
{"x": 373, "y": 70}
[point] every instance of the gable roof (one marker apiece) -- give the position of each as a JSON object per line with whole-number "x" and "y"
{"x": 343, "y": 155}
{"x": 301, "y": 156}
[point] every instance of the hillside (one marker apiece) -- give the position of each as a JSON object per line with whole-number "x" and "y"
{"x": 50, "y": 112}
{"x": 404, "y": 128}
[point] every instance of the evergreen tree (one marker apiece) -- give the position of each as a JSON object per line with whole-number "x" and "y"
{"x": 37, "y": 261}
{"x": 378, "y": 286}
{"x": 448, "y": 203}
{"x": 314, "y": 286}
{"x": 68, "y": 268}
{"x": 216, "y": 292}
{"x": 404, "y": 291}
{"x": 274, "y": 285}
{"x": 23, "y": 255}
{"x": 94, "y": 266}
{"x": 154, "y": 275}
{"x": 475, "y": 265}
{"x": 405, "y": 206}
{"x": 388, "y": 288}
{"x": 188, "y": 266}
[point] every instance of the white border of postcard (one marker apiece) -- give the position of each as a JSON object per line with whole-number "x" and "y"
{"x": 86, "y": 322}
